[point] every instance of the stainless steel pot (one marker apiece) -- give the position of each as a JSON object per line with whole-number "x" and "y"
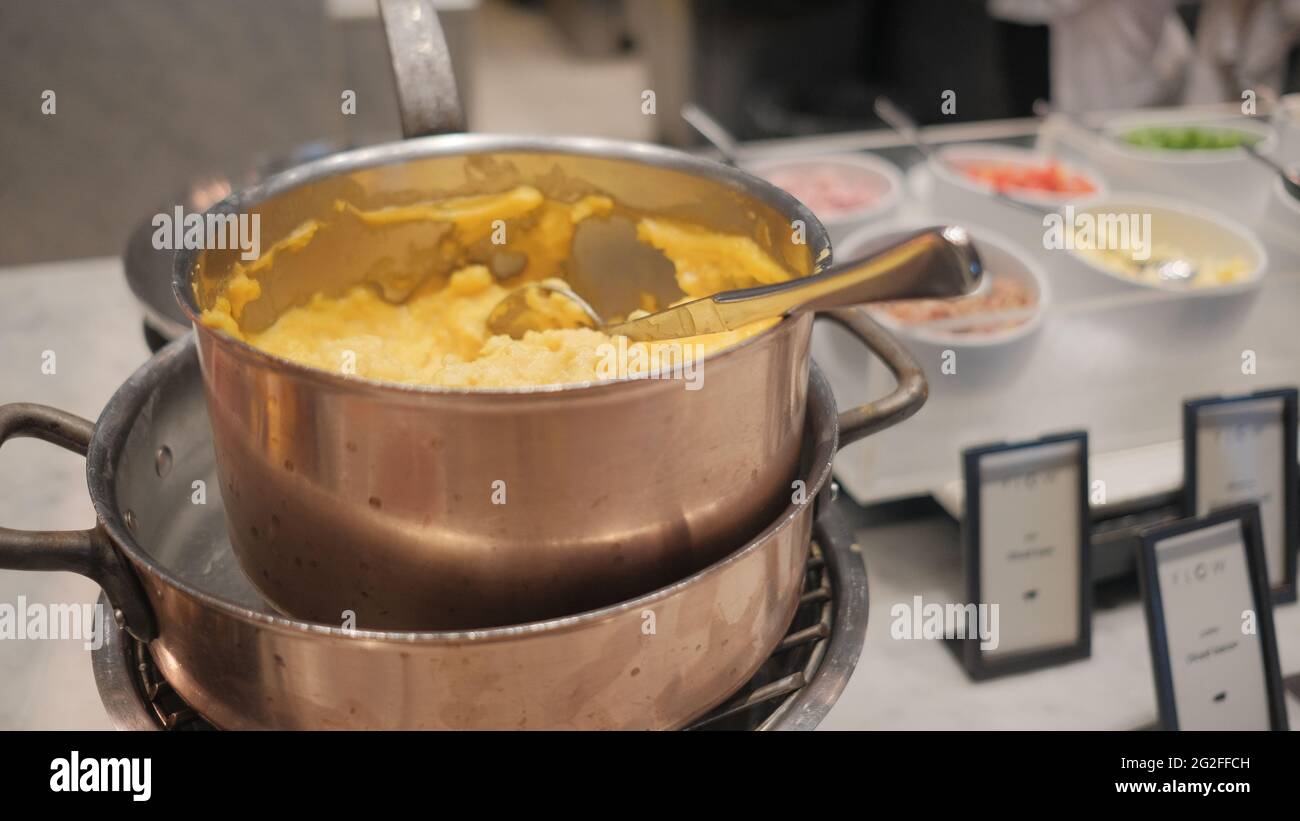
{"x": 162, "y": 557}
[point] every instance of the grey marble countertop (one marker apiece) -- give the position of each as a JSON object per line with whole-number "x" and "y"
{"x": 83, "y": 313}
{"x": 919, "y": 684}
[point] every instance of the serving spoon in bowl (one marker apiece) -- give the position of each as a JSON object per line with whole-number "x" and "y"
{"x": 910, "y": 131}
{"x": 935, "y": 263}
{"x": 708, "y": 127}
{"x": 1290, "y": 179}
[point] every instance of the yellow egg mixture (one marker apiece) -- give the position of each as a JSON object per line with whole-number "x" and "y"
{"x": 439, "y": 336}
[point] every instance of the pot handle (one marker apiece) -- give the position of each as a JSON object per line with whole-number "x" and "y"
{"x": 906, "y": 399}
{"x": 426, "y": 86}
{"x": 88, "y": 552}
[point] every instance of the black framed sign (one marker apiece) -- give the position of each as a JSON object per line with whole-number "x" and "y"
{"x": 1243, "y": 449}
{"x": 1025, "y": 540}
{"x": 1210, "y": 623}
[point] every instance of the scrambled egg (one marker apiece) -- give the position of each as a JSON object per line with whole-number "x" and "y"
{"x": 1210, "y": 271}
{"x": 439, "y": 336}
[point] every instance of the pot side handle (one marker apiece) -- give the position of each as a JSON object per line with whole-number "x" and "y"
{"x": 88, "y": 552}
{"x": 908, "y": 396}
{"x": 426, "y": 87}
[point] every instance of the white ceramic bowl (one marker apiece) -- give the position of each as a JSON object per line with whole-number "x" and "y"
{"x": 1225, "y": 179}
{"x": 879, "y": 176}
{"x": 1117, "y": 127}
{"x": 1000, "y": 257}
{"x": 958, "y": 195}
{"x": 1195, "y": 231}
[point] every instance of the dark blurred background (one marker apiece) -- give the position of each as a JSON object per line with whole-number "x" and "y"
{"x": 154, "y": 93}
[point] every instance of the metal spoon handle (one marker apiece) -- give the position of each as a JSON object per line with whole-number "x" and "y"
{"x": 901, "y": 122}
{"x": 712, "y": 130}
{"x": 935, "y": 263}
{"x": 1254, "y": 152}
{"x": 910, "y": 131}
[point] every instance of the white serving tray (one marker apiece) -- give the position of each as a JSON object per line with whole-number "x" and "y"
{"x": 1115, "y": 363}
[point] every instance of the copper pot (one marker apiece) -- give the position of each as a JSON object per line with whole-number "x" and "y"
{"x": 379, "y": 502}
{"x": 392, "y": 506}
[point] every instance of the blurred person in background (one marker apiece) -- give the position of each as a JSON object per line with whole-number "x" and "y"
{"x": 1241, "y": 44}
{"x": 1115, "y": 54}
{"x": 1108, "y": 54}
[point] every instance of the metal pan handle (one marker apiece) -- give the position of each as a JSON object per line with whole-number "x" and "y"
{"x": 426, "y": 85}
{"x": 88, "y": 552}
{"x": 906, "y": 399}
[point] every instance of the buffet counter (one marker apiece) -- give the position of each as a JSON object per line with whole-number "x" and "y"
{"x": 1115, "y": 361}
{"x": 92, "y": 324}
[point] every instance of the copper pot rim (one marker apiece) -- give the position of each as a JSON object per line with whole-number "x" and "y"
{"x": 444, "y": 145}
{"x": 119, "y": 418}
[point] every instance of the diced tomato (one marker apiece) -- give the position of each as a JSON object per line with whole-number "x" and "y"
{"x": 1051, "y": 177}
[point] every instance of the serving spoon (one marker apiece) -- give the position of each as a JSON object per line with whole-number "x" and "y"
{"x": 935, "y": 263}
{"x": 910, "y": 130}
{"x": 708, "y": 127}
{"x": 1290, "y": 179}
